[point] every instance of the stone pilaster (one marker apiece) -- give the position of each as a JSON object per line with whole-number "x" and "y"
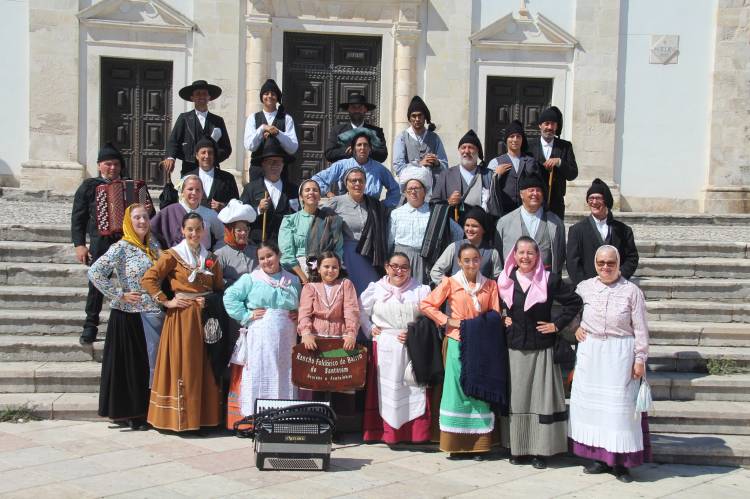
{"x": 728, "y": 189}
{"x": 53, "y": 98}
{"x": 257, "y": 57}
{"x": 597, "y": 26}
{"x": 405, "y": 76}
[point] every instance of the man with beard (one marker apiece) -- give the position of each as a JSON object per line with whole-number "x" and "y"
{"x": 357, "y": 107}
{"x": 467, "y": 184}
{"x": 555, "y": 157}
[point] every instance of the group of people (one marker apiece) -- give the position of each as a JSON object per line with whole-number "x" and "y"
{"x": 447, "y": 271}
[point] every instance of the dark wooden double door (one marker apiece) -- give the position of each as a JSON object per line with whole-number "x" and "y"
{"x": 136, "y": 108}
{"x": 320, "y": 72}
{"x": 510, "y": 99}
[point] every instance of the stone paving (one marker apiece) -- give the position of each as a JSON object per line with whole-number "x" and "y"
{"x": 80, "y": 459}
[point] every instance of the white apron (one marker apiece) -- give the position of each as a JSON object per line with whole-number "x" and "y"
{"x": 400, "y": 400}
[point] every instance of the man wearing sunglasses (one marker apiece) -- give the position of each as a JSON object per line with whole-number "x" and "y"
{"x": 600, "y": 228}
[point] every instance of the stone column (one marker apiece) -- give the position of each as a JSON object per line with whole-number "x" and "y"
{"x": 405, "y": 77}
{"x": 53, "y": 98}
{"x": 597, "y": 25}
{"x": 728, "y": 189}
{"x": 257, "y": 57}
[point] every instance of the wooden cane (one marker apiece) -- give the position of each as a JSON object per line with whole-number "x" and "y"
{"x": 265, "y": 216}
{"x": 455, "y": 213}
{"x": 549, "y": 190}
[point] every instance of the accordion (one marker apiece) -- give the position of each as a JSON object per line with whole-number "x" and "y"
{"x": 114, "y": 198}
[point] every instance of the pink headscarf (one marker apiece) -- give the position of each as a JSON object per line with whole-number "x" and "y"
{"x": 537, "y": 292}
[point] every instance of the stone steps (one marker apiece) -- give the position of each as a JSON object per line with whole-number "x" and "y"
{"x": 35, "y": 233}
{"x": 698, "y": 416}
{"x": 698, "y": 311}
{"x": 46, "y": 322}
{"x": 48, "y": 349}
{"x": 692, "y": 249}
{"x": 44, "y": 274}
{"x": 694, "y": 359}
{"x": 701, "y": 449}
{"x": 728, "y": 334}
{"x": 55, "y": 405}
{"x": 726, "y": 289}
{"x": 49, "y": 377}
{"x": 670, "y": 385}
{"x": 733, "y": 268}
{"x": 43, "y": 297}
{"x": 684, "y": 219}
{"x": 37, "y": 252}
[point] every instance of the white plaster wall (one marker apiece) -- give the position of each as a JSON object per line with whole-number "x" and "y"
{"x": 561, "y": 12}
{"x": 14, "y": 134}
{"x": 665, "y": 113}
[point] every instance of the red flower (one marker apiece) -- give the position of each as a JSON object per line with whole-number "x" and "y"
{"x": 209, "y": 263}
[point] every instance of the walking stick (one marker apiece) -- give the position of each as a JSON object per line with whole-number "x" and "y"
{"x": 549, "y": 190}
{"x": 455, "y": 213}
{"x": 265, "y": 216}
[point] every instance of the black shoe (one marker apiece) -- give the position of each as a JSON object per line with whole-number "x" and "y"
{"x": 138, "y": 424}
{"x": 461, "y": 456}
{"x": 622, "y": 474}
{"x": 596, "y": 468}
{"x": 538, "y": 462}
{"x": 88, "y": 336}
{"x": 518, "y": 460}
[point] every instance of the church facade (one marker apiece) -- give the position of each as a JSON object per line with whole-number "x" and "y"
{"x": 654, "y": 95}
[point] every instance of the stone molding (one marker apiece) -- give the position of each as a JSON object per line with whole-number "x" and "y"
{"x": 60, "y": 177}
{"x": 139, "y": 14}
{"x": 524, "y": 32}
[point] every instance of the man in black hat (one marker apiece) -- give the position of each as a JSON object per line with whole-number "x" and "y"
{"x": 83, "y": 222}
{"x": 510, "y": 167}
{"x": 466, "y": 184}
{"x": 585, "y": 237}
{"x": 419, "y": 145}
{"x": 271, "y": 195}
{"x": 357, "y": 107}
{"x": 272, "y": 121}
{"x": 555, "y": 157}
{"x": 192, "y": 125}
{"x": 531, "y": 219}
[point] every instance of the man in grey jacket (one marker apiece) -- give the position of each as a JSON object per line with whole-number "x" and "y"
{"x": 530, "y": 219}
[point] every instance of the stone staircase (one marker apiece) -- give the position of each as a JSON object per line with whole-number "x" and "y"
{"x": 697, "y": 286}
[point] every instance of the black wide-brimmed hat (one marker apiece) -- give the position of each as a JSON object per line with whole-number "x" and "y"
{"x": 357, "y": 99}
{"x": 271, "y": 147}
{"x": 186, "y": 93}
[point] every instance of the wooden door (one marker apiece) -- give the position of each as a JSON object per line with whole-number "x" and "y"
{"x": 510, "y": 99}
{"x": 136, "y": 108}
{"x": 320, "y": 72}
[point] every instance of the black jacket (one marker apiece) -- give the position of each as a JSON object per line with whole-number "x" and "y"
{"x": 522, "y": 334}
{"x": 567, "y": 171}
{"x": 223, "y": 188}
{"x": 253, "y": 194}
{"x": 335, "y": 151}
{"x": 83, "y": 219}
{"x": 584, "y": 240}
{"x": 186, "y": 133}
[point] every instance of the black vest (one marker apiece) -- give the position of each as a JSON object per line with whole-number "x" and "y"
{"x": 260, "y": 119}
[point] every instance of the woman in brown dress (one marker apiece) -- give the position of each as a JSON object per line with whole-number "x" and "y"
{"x": 184, "y": 395}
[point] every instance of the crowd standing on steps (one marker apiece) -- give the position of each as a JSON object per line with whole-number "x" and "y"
{"x": 450, "y": 276}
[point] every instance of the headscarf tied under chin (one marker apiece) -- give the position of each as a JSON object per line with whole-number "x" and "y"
{"x": 130, "y": 236}
{"x": 609, "y": 247}
{"x": 181, "y": 186}
{"x": 230, "y": 239}
{"x": 537, "y": 292}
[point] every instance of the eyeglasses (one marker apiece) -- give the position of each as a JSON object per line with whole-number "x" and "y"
{"x": 399, "y": 268}
{"x": 606, "y": 263}
{"x": 412, "y": 190}
{"x": 594, "y": 198}
{"x": 355, "y": 181}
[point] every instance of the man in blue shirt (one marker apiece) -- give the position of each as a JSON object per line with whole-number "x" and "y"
{"x": 378, "y": 176}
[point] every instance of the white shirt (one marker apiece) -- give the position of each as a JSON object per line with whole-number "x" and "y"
{"x": 356, "y": 126}
{"x": 202, "y": 117}
{"x": 516, "y": 160}
{"x": 274, "y": 190}
{"x": 547, "y": 147}
{"x": 254, "y": 136}
{"x": 467, "y": 175}
{"x": 207, "y": 179}
{"x": 413, "y": 134}
{"x": 602, "y": 227}
{"x": 531, "y": 220}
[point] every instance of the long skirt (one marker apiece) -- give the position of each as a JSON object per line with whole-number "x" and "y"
{"x": 466, "y": 423}
{"x": 123, "y": 391}
{"x": 603, "y": 423}
{"x": 418, "y": 270}
{"x": 152, "y": 324}
{"x": 537, "y": 423}
{"x": 377, "y": 430}
{"x": 360, "y": 269}
{"x": 184, "y": 395}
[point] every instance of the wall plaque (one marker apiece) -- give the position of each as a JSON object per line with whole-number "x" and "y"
{"x": 664, "y": 49}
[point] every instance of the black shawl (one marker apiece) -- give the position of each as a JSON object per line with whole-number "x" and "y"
{"x": 484, "y": 359}
{"x": 324, "y": 233}
{"x": 374, "y": 240}
{"x": 425, "y": 351}
{"x": 220, "y": 352}
{"x": 437, "y": 237}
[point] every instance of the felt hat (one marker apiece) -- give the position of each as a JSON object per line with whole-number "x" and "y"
{"x": 478, "y": 214}
{"x": 528, "y": 181}
{"x": 357, "y": 99}
{"x": 418, "y": 105}
{"x": 109, "y": 151}
{"x": 270, "y": 86}
{"x": 205, "y": 141}
{"x": 516, "y": 126}
{"x": 236, "y": 211}
{"x": 598, "y": 186}
{"x": 271, "y": 147}
{"x": 552, "y": 114}
{"x": 187, "y": 92}
{"x": 471, "y": 138}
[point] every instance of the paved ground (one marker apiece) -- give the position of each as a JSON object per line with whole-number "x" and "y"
{"x": 79, "y": 459}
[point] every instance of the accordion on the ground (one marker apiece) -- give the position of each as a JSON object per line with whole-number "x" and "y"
{"x": 113, "y": 199}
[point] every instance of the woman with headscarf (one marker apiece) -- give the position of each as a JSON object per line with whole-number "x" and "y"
{"x": 409, "y": 222}
{"x": 466, "y": 423}
{"x": 477, "y": 228}
{"x": 185, "y": 393}
{"x": 610, "y": 362}
{"x": 364, "y": 228}
{"x": 131, "y": 341}
{"x": 166, "y": 225}
{"x": 395, "y": 409}
{"x": 238, "y": 255}
{"x": 536, "y": 425}
{"x": 264, "y": 302}
{"x": 310, "y": 232}
{"x": 419, "y": 145}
